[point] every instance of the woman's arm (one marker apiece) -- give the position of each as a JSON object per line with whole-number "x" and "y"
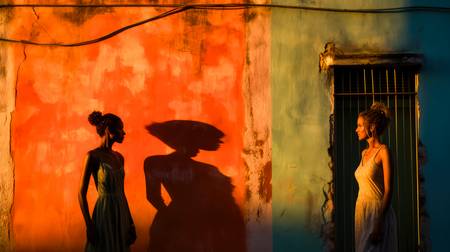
{"x": 89, "y": 167}
{"x": 153, "y": 186}
{"x": 387, "y": 177}
{"x": 385, "y": 159}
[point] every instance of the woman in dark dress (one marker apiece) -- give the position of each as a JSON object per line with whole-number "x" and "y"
{"x": 111, "y": 227}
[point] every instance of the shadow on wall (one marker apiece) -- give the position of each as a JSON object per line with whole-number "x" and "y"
{"x": 202, "y": 214}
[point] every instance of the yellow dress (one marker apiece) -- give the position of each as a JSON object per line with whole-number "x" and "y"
{"x": 368, "y": 207}
{"x": 111, "y": 216}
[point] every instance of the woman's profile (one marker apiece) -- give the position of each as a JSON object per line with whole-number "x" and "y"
{"x": 375, "y": 221}
{"x": 202, "y": 214}
{"x": 111, "y": 227}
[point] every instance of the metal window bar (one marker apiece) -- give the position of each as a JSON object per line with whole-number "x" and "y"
{"x": 416, "y": 119}
{"x": 392, "y": 85}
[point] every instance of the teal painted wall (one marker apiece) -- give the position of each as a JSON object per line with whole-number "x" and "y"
{"x": 429, "y": 34}
{"x": 301, "y": 107}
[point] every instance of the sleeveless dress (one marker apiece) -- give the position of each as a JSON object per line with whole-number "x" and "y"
{"x": 111, "y": 216}
{"x": 369, "y": 176}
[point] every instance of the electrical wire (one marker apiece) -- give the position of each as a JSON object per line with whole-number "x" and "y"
{"x": 177, "y": 8}
{"x": 102, "y": 38}
{"x": 239, "y": 5}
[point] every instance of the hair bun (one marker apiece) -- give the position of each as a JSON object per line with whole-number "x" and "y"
{"x": 381, "y": 108}
{"x": 95, "y": 118}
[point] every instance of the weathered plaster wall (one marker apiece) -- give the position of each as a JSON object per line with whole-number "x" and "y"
{"x": 194, "y": 65}
{"x": 6, "y": 165}
{"x": 257, "y": 152}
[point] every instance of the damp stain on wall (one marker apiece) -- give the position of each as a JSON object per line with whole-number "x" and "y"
{"x": 79, "y": 16}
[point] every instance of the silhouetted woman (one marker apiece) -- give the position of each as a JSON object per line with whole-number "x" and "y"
{"x": 111, "y": 227}
{"x": 202, "y": 215}
{"x": 375, "y": 222}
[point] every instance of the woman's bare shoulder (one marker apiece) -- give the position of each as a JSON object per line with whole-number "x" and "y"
{"x": 118, "y": 154}
{"x": 93, "y": 154}
{"x": 383, "y": 155}
{"x": 384, "y": 150}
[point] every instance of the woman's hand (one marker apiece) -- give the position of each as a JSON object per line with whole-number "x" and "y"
{"x": 377, "y": 233}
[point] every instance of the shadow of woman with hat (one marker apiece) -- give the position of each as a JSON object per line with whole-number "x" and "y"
{"x": 202, "y": 214}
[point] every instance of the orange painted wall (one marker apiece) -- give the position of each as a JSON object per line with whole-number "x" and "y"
{"x": 187, "y": 66}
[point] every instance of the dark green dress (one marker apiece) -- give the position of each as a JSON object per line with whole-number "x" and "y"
{"x": 111, "y": 216}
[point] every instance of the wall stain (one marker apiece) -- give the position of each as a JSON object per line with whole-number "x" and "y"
{"x": 2, "y": 68}
{"x": 196, "y": 17}
{"x": 265, "y": 182}
{"x": 247, "y": 151}
{"x": 247, "y": 57}
{"x": 258, "y": 213}
{"x": 250, "y": 15}
{"x": 309, "y": 211}
{"x": 283, "y": 212}
{"x": 196, "y": 22}
{"x": 248, "y": 192}
{"x": 259, "y": 143}
{"x": 327, "y": 230}
{"x": 6, "y": 14}
{"x": 201, "y": 56}
{"x": 308, "y": 1}
{"x": 78, "y": 16}
{"x": 247, "y": 48}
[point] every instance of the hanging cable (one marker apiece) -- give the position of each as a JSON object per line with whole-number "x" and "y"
{"x": 105, "y": 37}
{"x": 238, "y": 5}
{"x": 177, "y": 8}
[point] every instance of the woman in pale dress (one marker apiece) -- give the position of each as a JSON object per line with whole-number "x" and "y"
{"x": 111, "y": 227}
{"x": 375, "y": 221}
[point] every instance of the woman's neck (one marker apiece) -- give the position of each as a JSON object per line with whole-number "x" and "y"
{"x": 373, "y": 142}
{"x": 106, "y": 143}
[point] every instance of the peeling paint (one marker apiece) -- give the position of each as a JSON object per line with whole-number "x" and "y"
{"x": 248, "y": 193}
{"x": 257, "y": 137}
{"x": 265, "y": 182}
{"x": 6, "y": 162}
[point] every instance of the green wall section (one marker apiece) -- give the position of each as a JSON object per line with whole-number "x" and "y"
{"x": 429, "y": 34}
{"x": 301, "y": 106}
{"x": 300, "y": 110}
